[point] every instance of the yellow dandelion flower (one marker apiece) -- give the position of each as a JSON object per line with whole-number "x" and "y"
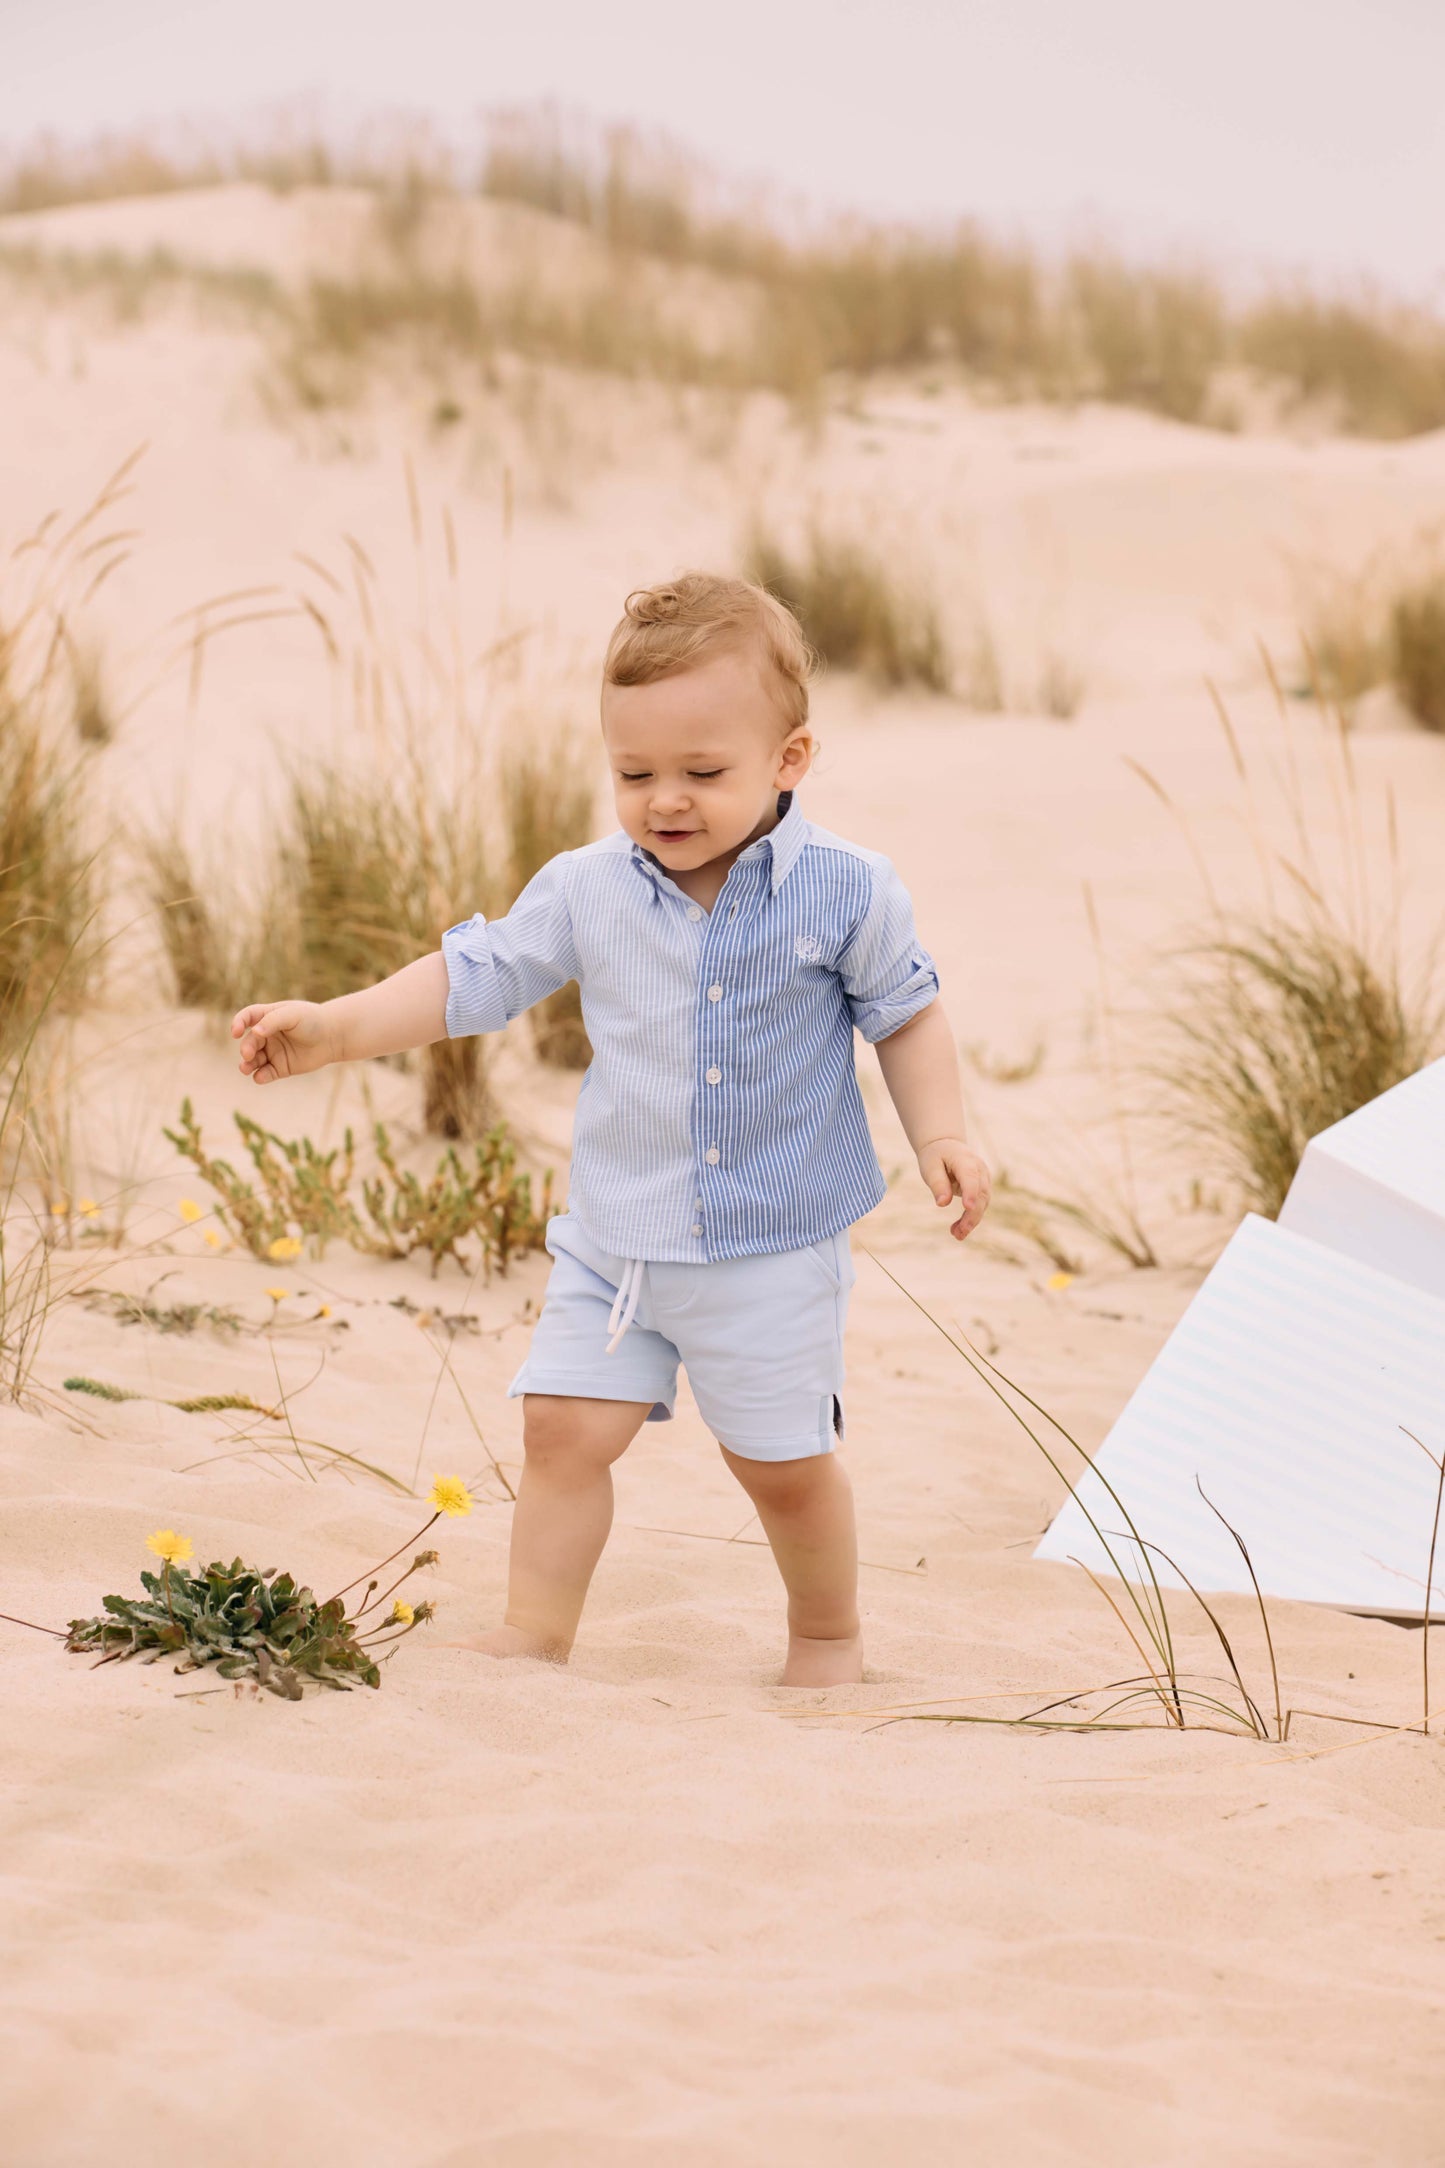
{"x": 277, "y": 1294}
{"x": 190, "y": 1211}
{"x": 166, "y": 1544}
{"x": 60, "y": 1209}
{"x": 212, "y": 1239}
{"x": 449, "y": 1494}
{"x": 1058, "y": 1281}
{"x": 89, "y": 1207}
{"x": 325, "y": 1310}
{"x": 402, "y": 1613}
{"x": 283, "y": 1249}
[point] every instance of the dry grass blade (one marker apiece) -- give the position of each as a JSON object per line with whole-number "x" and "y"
{"x": 1437, "y": 1460}
{"x": 1259, "y": 1599}
{"x": 1149, "y": 1607}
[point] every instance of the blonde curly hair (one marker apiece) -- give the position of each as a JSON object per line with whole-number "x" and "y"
{"x": 666, "y": 629}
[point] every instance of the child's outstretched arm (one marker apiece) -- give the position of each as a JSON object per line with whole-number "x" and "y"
{"x": 920, "y": 1068}
{"x": 286, "y": 1038}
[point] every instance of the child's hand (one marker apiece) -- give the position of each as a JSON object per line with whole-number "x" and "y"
{"x": 283, "y": 1038}
{"x": 951, "y": 1169}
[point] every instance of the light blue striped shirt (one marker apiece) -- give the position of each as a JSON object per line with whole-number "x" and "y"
{"x": 721, "y": 1116}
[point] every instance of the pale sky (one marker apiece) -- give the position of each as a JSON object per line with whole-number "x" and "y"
{"x": 1296, "y": 133}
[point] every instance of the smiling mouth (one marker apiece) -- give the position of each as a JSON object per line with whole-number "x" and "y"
{"x": 675, "y": 835}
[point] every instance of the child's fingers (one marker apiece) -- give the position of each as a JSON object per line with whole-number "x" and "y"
{"x": 258, "y": 1026}
{"x": 969, "y": 1182}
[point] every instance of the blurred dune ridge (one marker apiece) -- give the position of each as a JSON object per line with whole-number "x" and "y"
{"x": 552, "y": 236}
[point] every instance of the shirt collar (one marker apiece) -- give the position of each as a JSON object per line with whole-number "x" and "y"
{"x": 783, "y": 844}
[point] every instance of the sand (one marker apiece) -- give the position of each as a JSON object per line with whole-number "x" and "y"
{"x": 653, "y": 1908}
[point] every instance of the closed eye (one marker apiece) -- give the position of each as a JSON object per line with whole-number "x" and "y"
{"x": 704, "y": 775}
{"x": 640, "y": 777}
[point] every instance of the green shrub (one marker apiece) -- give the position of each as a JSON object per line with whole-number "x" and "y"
{"x": 301, "y": 1194}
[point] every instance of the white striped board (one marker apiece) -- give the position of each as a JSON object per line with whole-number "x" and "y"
{"x": 1373, "y": 1185}
{"x": 1287, "y": 1388}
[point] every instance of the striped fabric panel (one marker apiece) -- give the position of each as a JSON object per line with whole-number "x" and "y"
{"x": 810, "y": 940}
{"x": 1287, "y": 1388}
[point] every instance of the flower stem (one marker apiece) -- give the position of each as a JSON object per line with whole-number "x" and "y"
{"x": 396, "y": 1584}
{"x": 387, "y": 1561}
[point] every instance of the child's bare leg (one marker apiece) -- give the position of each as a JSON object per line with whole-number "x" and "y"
{"x": 806, "y": 1508}
{"x": 561, "y": 1520}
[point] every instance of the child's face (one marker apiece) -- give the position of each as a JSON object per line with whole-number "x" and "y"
{"x": 698, "y": 758}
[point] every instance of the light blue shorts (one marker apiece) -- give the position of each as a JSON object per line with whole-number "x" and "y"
{"x": 761, "y": 1339}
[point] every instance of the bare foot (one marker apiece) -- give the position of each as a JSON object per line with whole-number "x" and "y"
{"x": 509, "y": 1641}
{"x": 823, "y": 1663}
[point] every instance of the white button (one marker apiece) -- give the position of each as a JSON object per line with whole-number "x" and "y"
{"x": 712, "y": 1155}
{"x": 714, "y": 993}
{"x": 698, "y": 1206}
{"x": 694, "y": 912}
{"x": 697, "y": 1230}
{"x": 714, "y": 1076}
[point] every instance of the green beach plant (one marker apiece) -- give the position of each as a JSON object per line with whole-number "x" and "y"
{"x": 302, "y": 1195}
{"x": 263, "y": 1629}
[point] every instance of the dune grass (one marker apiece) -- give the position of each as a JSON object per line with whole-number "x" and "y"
{"x": 1289, "y": 1015}
{"x": 50, "y": 868}
{"x": 377, "y": 844}
{"x": 548, "y": 807}
{"x": 822, "y": 301}
{"x": 1381, "y": 624}
{"x": 367, "y": 870}
{"x": 1417, "y": 650}
{"x": 1285, "y": 1026}
{"x": 857, "y": 610}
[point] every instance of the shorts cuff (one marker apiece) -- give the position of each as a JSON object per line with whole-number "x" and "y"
{"x": 806, "y": 1445}
{"x": 619, "y": 1384}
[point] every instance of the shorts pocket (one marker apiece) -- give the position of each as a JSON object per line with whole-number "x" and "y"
{"x": 834, "y": 1260}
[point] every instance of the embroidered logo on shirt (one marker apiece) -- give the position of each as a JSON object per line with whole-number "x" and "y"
{"x": 809, "y": 947}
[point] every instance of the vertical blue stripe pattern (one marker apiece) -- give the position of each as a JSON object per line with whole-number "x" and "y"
{"x": 721, "y": 1116}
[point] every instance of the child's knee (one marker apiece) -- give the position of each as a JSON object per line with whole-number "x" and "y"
{"x": 565, "y": 1437}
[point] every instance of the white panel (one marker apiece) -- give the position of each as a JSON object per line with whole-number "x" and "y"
{"x": 1286, "y": 1387}
{"x": 1373, "y": 1185}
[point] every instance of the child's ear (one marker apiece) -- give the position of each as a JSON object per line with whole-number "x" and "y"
{"x": 795, "y": 758}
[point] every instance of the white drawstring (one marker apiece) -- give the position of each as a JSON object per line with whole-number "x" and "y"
{"x": 624, "y": 1306}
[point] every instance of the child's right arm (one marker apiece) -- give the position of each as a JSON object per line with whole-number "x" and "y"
{"x": 286, "y": 1038}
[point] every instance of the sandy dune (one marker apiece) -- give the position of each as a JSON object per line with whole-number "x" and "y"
{"x": 652, "y": 1909}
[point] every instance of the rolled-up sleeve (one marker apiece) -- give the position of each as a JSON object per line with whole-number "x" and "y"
{"x": 497, "y": 968}
{"x": 887, "y": 975}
